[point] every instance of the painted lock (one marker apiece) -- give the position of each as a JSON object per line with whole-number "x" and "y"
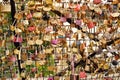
{"x": 82, "y": 74}
{"x": 49, "y": 29}
{"x": 77, "y": 7}
{"x": 63, "y": 19}
{"x": 12, "y": 58}
{"x": 97, "y": 1}
{"x": 29, "y": 16}
{"x": 31, "y": 28}
{"x": 90, "y": 24}
{"x": 50, "y": 78}
{"x": 34, "y": 69}
{"x": 54, "y": 42}
{"x": 17, "y": 39}
{"x": 77, "y": 22}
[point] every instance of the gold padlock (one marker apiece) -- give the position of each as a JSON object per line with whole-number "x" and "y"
{"x": 106, "y": 66}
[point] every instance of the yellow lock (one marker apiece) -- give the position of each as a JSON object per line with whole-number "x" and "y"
{"x": 49, "y": 2}
{"x": 16, "y": 51}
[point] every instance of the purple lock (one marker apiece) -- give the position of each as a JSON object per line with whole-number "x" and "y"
{"x": 78, "y": 22}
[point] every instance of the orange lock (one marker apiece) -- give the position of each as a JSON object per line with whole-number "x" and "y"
{"x": 115, "y": 2}
{"x": 82, "y": 46}
{"x": 105, "y": 22}
{"x": 85, "y": 20}
{"x": 84, "y": 7}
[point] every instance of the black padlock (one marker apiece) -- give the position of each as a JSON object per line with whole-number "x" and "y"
{"x": 114, "y": 62}
{"x": 45, "y": 16}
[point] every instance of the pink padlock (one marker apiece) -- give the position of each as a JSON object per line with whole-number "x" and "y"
{"x": 78, "y": 22}
{"x": 50, "y": 78}
{"x": 34, "y": 69}
{"x": 12, "y": 58}
{"x": 17, "y": 39}
{"x": 77, "y": 8}
{"x": 82, "y": 74}
{"x": 29, "y": 16}
{"x": 49, "y": 29}
{"x": 68, "y": 15}
{"x": 55, "y": 41}
{"x": 32, "y": 28}
{"x": 97, "y": 1}
{"x": 90, "y": 24}
{"x": 63, "y": 19}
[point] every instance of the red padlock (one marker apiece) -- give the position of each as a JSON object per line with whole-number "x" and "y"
{"x": 12, "y": 58}
{"x": 97, "y": 1}
{"x": 55, "y": 41}
{"x": 17, "y": 39}
{"x": 82, "y": 75}
{"x": 77, "y": 8}
{"x": 29, "y": 16}
{"x": 90, "y": 24}
{"x": 31, "y": 28}
{"x": 63, "y": 19}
